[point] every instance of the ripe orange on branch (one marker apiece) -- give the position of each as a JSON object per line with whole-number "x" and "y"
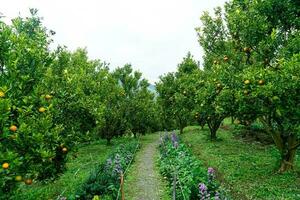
{"x": 261, "y": 82}
{"x": 5, "y": 165}
{"x": 247, "y": 82}
{"x": 48, "y": 97}
{"x": 64, "y": 150}
{"x": 226, "y": 58}
{"x": 18, "y": 178}
{"x": 28, "y": 181}
{"x": 247, "y": 49}
{"x": 13, "y": 128}
{"x": 2, "y": 94}
{"x": 42, "y": 109}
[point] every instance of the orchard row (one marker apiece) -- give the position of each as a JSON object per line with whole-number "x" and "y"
{"x": 50, "y": 101}
{"x": 251, "y": 72}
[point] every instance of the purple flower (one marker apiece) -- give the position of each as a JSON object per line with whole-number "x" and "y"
{"x": 204, "y": 194}
{"x": 174, "y": 139}
{"x": 202, "y": 188}
{"x": 118, "y": 167}
{"x": 210, "y": 174}
{"x": 210, "y": 171}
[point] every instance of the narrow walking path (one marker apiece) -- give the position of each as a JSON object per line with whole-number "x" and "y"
{"x": 143, "y": 181}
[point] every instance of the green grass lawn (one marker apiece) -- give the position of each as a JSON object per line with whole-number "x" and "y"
{"x": 78, "y": 169}
{"x": 248, "y": 170}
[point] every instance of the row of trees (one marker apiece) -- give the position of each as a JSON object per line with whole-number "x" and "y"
{"x": 251, "y": 71}
{"x": 52, "y": 100}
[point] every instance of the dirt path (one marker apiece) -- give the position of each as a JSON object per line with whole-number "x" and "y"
{"x": 143, "y": 181}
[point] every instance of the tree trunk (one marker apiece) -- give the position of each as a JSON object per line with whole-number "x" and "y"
{"x": 213, "y": 131}
{"x": 181, "y": 124}
{"x": 213, "y": 127}
{"x": 108, "y": 141}
{"x": 287, "y": 145}
{"x": 181, "y": 130}
{"x": 213, "y": 135}
{"x": 287, "y": 161}
{"x": 288, "y": 154}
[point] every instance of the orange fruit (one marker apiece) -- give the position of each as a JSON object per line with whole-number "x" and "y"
{"x": 13, "y": 128}
{"x": 18, "y": 178}
{"x": 42, "y": 109}
{"x": 65, "y": 150}
{"x": 48, "y": 97}
{"x": 28, "y": 181}
{"x": 246, "y": 82}
{"x": 247, "y": 49}
{"x": 5, "y": 165}
{"x": 2, "y": 94}
{"x": 261, "y": 82}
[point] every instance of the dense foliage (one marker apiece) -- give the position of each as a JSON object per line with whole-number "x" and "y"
{"x": 175, "y": 96}
{"x": 50, "y": 101}
{"x": 250, "y": 73}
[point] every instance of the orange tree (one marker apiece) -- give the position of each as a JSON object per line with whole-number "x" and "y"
{"x": 145, "y": 118}
{"x": 91, "y": 101}
{"x": 214, "y": 99}
{"x": 110, "y": 124}
{"x": 256, "y": 52}
{"x": 176, "y": 95}
{"x": 79, "y": 86}
{"x": 186, "y": 91}
{"x": 275, "y": 101}
{"x": 269, "y": 82}
{"x": 195, "y": 83}
{"x": 138, "y": 105}
{"x": 29, "y": 140}
{"x": 166, "y": 90}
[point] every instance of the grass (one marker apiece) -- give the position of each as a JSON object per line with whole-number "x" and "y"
{"x": 248, "y": 170}
{"x": 131, "y": 179}
{"x": 78, "y": 169}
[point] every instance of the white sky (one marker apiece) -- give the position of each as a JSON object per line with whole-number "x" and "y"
{"x": 152, "y": 35}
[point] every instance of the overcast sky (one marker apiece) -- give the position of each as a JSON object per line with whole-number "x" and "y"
{"x": 152, "y": 35}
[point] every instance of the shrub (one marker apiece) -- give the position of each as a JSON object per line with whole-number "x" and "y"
{"x": 177, "y": 161}
{"x": 104, "y": 180}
